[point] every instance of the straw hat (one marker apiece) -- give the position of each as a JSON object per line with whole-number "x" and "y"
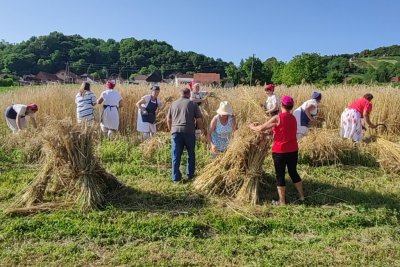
{"x": 224, "y": 108}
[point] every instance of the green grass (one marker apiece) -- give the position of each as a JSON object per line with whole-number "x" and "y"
{"x": 351, "y": 218}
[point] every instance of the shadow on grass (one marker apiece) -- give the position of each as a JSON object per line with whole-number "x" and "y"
{"x": 130, "y": 199}
{"x": 320, "y": 194}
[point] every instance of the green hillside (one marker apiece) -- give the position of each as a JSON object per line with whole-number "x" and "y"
{"x": 366, "y": 62}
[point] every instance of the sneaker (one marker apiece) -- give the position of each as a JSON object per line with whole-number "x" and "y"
{"x": 276, "y": 203}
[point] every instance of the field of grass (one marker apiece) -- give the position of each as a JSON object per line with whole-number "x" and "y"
{"x": 350, "y": 217}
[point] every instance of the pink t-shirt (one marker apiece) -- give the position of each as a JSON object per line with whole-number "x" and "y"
{"x": 361, "y": 105}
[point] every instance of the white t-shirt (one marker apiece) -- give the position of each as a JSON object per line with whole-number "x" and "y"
{"x": 21, "y": 110}
{"x": 197, "y": 95}
{"x": 271, "y": 101}
{"x": 111, "y": 97}
{"x": 308, "y": 103}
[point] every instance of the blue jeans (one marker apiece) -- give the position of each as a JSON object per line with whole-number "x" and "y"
{"x": 179, "y": 141}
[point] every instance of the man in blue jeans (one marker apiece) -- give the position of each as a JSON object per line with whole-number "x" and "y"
{"x": 181, "y": 122}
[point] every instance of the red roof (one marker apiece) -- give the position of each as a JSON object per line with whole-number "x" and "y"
{"x": 184, "y": 76}
{"x": 141, "y": 77}
{"x": 47, "y": 77}
{"x": 207, "y": 77}
{"x": 62, "y": 75}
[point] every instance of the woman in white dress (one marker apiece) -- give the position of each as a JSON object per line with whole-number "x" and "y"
{"x": 148, "y": 106}
{"x": 85, "y": 101}
{"x": 307, "y": 113}
{"x": 112, "y": 101}
{"x": 271, "y": 105}
{"x": 15, "y": 116}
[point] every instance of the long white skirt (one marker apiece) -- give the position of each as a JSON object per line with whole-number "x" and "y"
{"x": 350, "y": 125}
{"x": 110, "y": 118}
{"x": 12, "y": 124}
{"x": 301, "y": 130}
{"x": 144, "y": 127}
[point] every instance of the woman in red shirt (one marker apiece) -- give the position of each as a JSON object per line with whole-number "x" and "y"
{"x": 285, "y": 148}
{"x": 350, "y": 120}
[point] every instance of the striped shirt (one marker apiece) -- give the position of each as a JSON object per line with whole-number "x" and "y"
{"x": 84, "y": 106}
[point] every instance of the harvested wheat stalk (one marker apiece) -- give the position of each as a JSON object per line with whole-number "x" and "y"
{"x": 150, "y": 147}
{"x": 324, "y": 147}
{"x": 389, "y": 155}
{"x": 69, "y": 164}
{"x": 238, "y": 172}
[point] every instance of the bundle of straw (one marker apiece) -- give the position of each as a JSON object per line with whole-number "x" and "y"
{"x": 238, "y": 172}
{"x": 71, "y": 169}
{"x": 323, "y": 147}
{"x": 150, "y": 147}
{"x": 389, "y": 155}
{"x": 29, "y": 141}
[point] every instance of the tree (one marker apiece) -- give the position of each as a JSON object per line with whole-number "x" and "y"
{"x": 273, "y": 70}
{"x": 383, "y": 72}
{"x": 232, "y": 73}
{"x": 252, "y": 71}
{"x": 307, "y": 68}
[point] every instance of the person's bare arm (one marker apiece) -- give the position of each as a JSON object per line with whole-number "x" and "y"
{"x": 18, "y": 121}
{"x": 274, "y": 108}
{"x": 100, "y": 100}
{"x": 274, "y": 121}
{"x": 234, "y": 125}
{"x": 368, "y": 120}
{"x": 213, "y": 124}
{"x": 308, "y": 112}
{"x": 33, "y": 121}
{"x": 140, "y": 102}
{"x": 200, "y": 125}
{"x": 121, "y": 103}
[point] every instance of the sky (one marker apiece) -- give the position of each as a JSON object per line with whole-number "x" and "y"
{"x": 228, "y": 29}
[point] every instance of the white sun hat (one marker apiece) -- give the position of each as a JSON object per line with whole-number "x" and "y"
{"x": 225, "y": 108}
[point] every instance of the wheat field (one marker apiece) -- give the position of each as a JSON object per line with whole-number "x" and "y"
{"x": 57, "y": 102}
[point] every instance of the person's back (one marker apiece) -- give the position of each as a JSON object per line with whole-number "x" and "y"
{"x": 181, "y": 122}
{"x": 183, "y": 113}
{"x": 285, "y": 139}
{"x": 111, "y": 97}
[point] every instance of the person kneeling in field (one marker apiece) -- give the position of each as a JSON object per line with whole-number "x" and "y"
{"x": 285, "y": 148}
{"x": 15, "y": 116}
{"x": 222, "y": 127}
{"x": 351, "y": 119}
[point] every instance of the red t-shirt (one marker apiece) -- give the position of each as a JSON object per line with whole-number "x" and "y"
{"x": 361, "y": 105}
{"x": 285, "y": 139}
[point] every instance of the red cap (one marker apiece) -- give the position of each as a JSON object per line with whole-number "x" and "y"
{"x": 110, "y": 84}
{"x": 270, "y": 87}
{"x": 287, "y": 100}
